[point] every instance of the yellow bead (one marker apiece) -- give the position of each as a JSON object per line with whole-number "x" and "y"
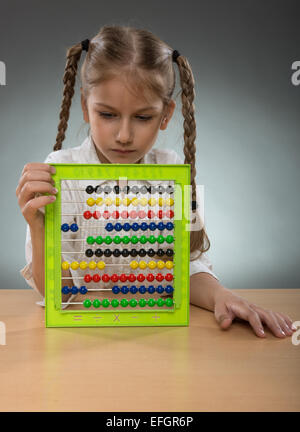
{"x": 152, "y": 264}
{"x": 92, "y": 265}
{"x": 169, "y": 201}
{"x": 135, "y": 201}
{"x": 143, "y": 201}
{"x": 161, "y": 201}
{"x": 142, "y": 264}
{"x": 134, "y": 264}
{"x": 83, "y": 265}
{"x": 108, "y": 201}
{"x": 101, "y": 265}
{"x": 169, "y": 264}
{"x": 65, "y": 265}
{"x": 152, "y": 201}
{"x": 99, "y": 201}
{"x": 118, "y": 201}
{"x": 126, "y": 201}
{"x": 90, "y": 202}
{"x": 160, "y": 264}
{"x": 74, "y": 265}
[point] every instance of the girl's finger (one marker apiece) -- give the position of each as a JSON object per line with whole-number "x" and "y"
{"x": 33, "y": 205}
{"x": 284, "y": 325}
{"x": 244, "y": 311}
{"x": 288, "y": 320}
{"x": 33, "y": 187}
{"x": 270, "y": 319}
{"x": 35, "y": 175}
{"x": 38, "y": 166}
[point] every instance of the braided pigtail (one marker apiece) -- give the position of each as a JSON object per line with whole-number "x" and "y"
{"x": 198, "y": 239}
{"x": 73, "y": 57}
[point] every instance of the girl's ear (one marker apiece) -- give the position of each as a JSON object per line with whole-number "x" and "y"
{"x": 84, "y": 107}
{"x": 168, "y": 114}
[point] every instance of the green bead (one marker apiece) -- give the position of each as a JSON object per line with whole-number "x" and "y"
{"x": 133, "y": 302}
{"x": 90, "y": 240}
{"x": 87, "y": 303}
{"x": 142, "y": 302}
{"x": 134, "y": 239}
{"x": 169, "y": 239}
{"x": 117, "y": 239}
{"x": 115, "y": 302}
{"x": 124, "y": 302}
{"x": 126, "y": 239}
{"x": 151, "y": 302}
{"x": 160, "y": 239}
{"x": 169, "y": 302}
{"x": 108, "y": 240}
{"x": 152, "y": 239}
{"x": 99, "y": 240}
{"x": 143, "y": 239}
{"x": 160, "y": 302}
{"x": 96, "y": 303}
{"x": 105, "y": 303}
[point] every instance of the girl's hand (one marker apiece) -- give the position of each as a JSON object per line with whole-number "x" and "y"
{"x": 229, "y": 306}
{"x": 35, "y": 179}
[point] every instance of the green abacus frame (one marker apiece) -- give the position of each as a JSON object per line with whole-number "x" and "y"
{"x": 179, "y": 314}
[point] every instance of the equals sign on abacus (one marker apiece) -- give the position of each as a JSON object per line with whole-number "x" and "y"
{"x": 77, "y": 317}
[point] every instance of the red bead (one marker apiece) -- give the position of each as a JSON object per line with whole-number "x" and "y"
{"x": 151, "y": 214}
{"x": 159, "y": 277}
{"x": 131, "y": 277}
{"x": 114, "y": 277}
{"x": 87, "y": 214}
{"x": 169, "y": 277}
{"x": 133, "y": 214}
{"x": 150, "y": 277}
{"x": 106, "y": 214}
{"x": 170, "y": 214}
{"x": 96, "y": 278}
{"x": 87, "y": 278}
{"x": 115, "y": 214}
{"x": 160, "y": 214}
{"x": 141, "y": 214}
{"x": 123, "y": 277}
{"x": 96, "y": 214}
{"x": 105, "y": 278}
{"x": 140, "y": 277}
{"x": 124, "y": 214}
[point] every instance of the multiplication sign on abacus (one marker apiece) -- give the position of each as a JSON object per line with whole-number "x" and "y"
{"x": 117, "y": 246}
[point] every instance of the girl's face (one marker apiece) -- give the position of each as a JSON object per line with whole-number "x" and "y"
{"x": 123, "y": 126}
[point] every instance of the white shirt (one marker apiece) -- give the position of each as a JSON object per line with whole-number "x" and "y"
{"x": 86, "y": 154}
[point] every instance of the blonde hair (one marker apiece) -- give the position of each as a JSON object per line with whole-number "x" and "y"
{"x": 140, "y": 55}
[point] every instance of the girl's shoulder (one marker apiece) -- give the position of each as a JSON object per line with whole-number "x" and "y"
{"x": 163, "y": 156}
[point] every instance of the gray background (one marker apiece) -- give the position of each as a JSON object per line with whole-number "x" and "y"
{"x": 247, "y": 114}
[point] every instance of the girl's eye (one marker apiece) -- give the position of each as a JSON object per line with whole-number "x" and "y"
{"x": 110, "y": 116}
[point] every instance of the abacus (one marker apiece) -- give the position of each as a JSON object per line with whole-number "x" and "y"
{"x": 117, "y": 246}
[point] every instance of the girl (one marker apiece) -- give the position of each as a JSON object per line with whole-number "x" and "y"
{"x": 128, "y": 79}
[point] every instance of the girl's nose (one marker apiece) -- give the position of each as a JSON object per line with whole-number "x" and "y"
{"x": 124, "y": 135}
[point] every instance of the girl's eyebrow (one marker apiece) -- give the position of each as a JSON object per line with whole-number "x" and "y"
{"x": 140, "y": 109}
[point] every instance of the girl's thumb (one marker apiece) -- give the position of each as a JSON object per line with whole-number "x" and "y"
{"x": 223, "y": 316}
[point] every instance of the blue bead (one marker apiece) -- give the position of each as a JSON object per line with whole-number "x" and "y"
{"x": 142, "y": 289}
{"x": 118, "y": 226}
{"x": 83, "y": 289}
{"x": 144, "y": 226}
{"x": 160, "y": 289}
{"x": 133, "y": 289}
{"x": 169, "y": 289}
{"x": 151, "y": 289}
{"x": 74, "y": 227}
{"x": 109, "y": 227}
{"x": 125, "y": 289}
{"x": 135, "y": 226}
{"x": 115, "y": 289}
{"x": 161, "y": 226}
{"x": 74, "y": 290}
{"x": 126, "y": 226}
{"x": 65, "y": 290}
{"x": 65, "y": 227}
{"x": 169, "y": 226}
{"x": 152, "y": 226}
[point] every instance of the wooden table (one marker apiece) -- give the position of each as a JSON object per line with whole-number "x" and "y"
{"x": 195, "y": 368}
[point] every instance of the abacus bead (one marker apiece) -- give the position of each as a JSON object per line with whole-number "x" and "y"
{"x": 160, "y": 239}
{"x": 65, "y": 227}
{"x": 74, "y": 290}
{"x": 109, "y": 227}
{"x": 126, "y": 201}
{"x": 160, "y": 289}
{"x": 92, "y": 265}
{"x": 108, "y": 240}
{"x": 169, "y": 239}
{"x": 126, "y": 239}
{"x": 105, "y": 303}
{"x": 89, "y": 189}
{"x": 161, "y": 214}
{"x": 65, "y": 265}
{"x": 132, "y": 277}
{"x": 143, "y": 201}
{"x": 152, "y": 189}
{"x": 151, "y": 289}
{"x": 152, "y": 265}
{"x": 118, "y": 201}
{"x": 74, "y": 227}
{"x": 135, "y": 226}
{"x": 169, "y": 302}
{"x": 114, "y": 277}
{"x": 133, "y": 214}
{"x": 83, "y": 290}
{"x": 101, "y": 265}
{"x": 151, "y": 302}
{"x": 125, "y": 252}
{"x": 144, "y": 189}
{"x": 159, "y": 277}
{"x": 142, "y": 289}
{"x": 135, "y": 201}
{"x": 169, "y": 226}
{"x": 161, "y": 202}
{"x": 74, "y": 265}
{"x": 126, "y": 226}
{"x": 161, "y": 226}
{"x": 151, "y": 252}
{"x": 124, "y": 289}
{"x": 170, "y": 189}
{"x": 116, "y": 189}
{"x": 123, "y": 277}
{"x": 99, "y": 201}
{"x": 87, "y": 278}
{"x": 142, "y": 302}
{"x": 150, "y": 277}
{"x": 107, "y": 189}
{"x": 169, "y": 277}
{"x": 115, "y": 289}
{"x": 117, "y": 240}
{"x": 65, "y": 290}
{"x": 160, "y": 252}
{"x": 142, "y": 252}
{"x": 99, "y": 240}
{"x": 90, "y": 202}
{"x": 160, "y": 189}
{"x": 160, "y": 264}
{"x": 83, "y": 265}
{"x": 96, "y": 303}
{"x": 170, "y": 252}
{"x": 141, "y": 214}
{"x": 133, "y": 302}
{"x": 134, "y": 239}
{"x": 90, "y": 240}
{"x": 160, "y": 302}
{"x": 134, "y": 252}
{"x": 143, "y": 239}
{"x": 87, "y": 303}
{"x": 152, "y": 226}
{"x": 116, "y": 253}
{"x": 135, "y": 189}
{"x": 133, "y": 289}
{"x": 169, "y": 289}
{"x": 152, "y": 201}
{"x": 151, "y": 214}
{"x": 169, "y": 201}
{"x": 144, "y": 226}
{"x": 98, "y": 189}
{"x": 126, "y": 189}
{"x": 115, "y": 303}
{"x": 170, "y": 214}
{"x": 169, "y": 264}
{"x": 89, "y": 253}
{"x": 105, "y": 278}
{"x": 106, "y": 214}
{"x": 124, "y": 214}
{"x": 99, "y": 252}
{"x": 142, "y": 264}
{"x": 124, "y": 302}
{"x": 134, "y": 264}
{"x": 152, "y": 239}
{"x": 141, "y": 277}
{"x": 96, "y": 278}
{"x": 96, "y": 214}
{"x": 115, "y": 214}
{"x": 118, "y": 226}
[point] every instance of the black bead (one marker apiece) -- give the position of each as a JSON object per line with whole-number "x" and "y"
{"x": 160, "y": 252}
{"x": 116, "y": 189}
{"x": 126, "y": 189}
{"x": 170, "y": 189}
{"x": 89, "y": 253}
{"x": 134, "y": 252}
{"x": 152, "y": 189}
{"x": 144, "y": 189}
{"x": 98, "y": 252}
{"x": 116, "y": 252}
{"x": 151, "y": 252}
{"x": 135, "y": 189}
{"x": 170, "y": 252}
{"x": 142, "y": 252}
{"x": 125, "y": 252}
{"x": 160, "y": 189}
{"x": 89, "y": 189}
{"x": 98, "y": 189}
{"x": 107, "y": 252}
{"x": 107, "y": 189}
